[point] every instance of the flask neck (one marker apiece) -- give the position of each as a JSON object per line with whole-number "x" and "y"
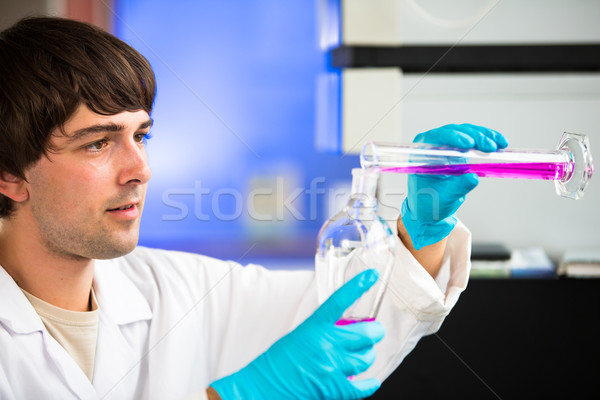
{"x": 361, "y": 205}
{"x": 364, "y": 188}
{"x": 364, "y": 183}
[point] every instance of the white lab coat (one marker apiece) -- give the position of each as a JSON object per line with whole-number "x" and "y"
{"x": 171, "y": 323}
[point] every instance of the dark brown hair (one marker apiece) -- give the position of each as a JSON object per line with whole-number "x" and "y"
{"x": 48, "y": 67}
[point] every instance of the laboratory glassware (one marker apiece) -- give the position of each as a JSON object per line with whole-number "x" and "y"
{"x": 570, "y": 166}
{"x": 354, "y": 240}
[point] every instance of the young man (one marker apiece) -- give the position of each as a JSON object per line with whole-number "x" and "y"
{"x": 84, "y": 313}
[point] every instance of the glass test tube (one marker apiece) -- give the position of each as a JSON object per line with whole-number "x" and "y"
{"x": 570, "y": 166}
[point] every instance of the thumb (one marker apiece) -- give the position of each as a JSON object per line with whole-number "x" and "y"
{"x": 367, "y": 387}
{"x": 457, "y": 187}
{"x": 333, "y": 308}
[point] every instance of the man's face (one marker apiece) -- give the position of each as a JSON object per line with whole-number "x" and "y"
{"x": 86, "y": 198}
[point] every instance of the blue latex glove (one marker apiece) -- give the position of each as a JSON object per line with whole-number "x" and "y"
{"x": 315, "y": 360}
{"x": 428, "y": 212}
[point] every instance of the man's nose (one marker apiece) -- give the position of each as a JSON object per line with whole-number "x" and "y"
{"x": 135, "y": 168}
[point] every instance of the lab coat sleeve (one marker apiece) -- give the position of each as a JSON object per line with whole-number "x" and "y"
{"x": 256, "y": 308}
{"x": 415, "y": 304}
{"x": 5, "y": 387}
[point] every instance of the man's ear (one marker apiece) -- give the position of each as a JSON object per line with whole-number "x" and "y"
{"x": 13, "y": 187}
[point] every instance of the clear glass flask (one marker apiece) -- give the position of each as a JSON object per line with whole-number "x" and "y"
{"x": 354, "y": 240}
{"x": 570, "y": 166}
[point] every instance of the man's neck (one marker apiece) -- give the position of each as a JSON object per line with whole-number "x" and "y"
{"x": 62, "y": 281}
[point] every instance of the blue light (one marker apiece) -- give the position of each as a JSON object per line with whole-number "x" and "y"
{"x": 236, "y": 107}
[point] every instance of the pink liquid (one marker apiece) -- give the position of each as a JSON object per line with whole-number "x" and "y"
{"x": 350, "y": 321}
{"x": 542, "y": 170}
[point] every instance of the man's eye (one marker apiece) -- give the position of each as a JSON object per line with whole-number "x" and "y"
{"x": 142, "y": 137}
{"x": 97, "y": 146}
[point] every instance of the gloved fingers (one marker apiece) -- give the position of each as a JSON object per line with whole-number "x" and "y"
{"x": 356, "y": 363}
{"x": 447, "y": 135}
{"x": 464, "y": 136}
{"x": 499, "y": 139}
{"x": 365, "y": 387}
{"x": 333, "y": 308}
{"x": 485, "y": 139}
{"x": 360, "y": 336}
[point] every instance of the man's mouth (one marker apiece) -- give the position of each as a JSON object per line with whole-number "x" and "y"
{"x": 126, "y": 212}
{"x": 124, "y": 207}
{"x": 127, "y": 207}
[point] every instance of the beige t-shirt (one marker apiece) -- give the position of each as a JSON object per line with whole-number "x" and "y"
{"x": 75, "y": 331}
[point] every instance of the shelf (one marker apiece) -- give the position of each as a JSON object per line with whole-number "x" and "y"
{"x": 472, "y": 58}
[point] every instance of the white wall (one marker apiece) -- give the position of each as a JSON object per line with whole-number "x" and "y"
{"x": 393, "y": 22}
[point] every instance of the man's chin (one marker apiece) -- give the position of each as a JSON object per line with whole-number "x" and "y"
{"x": 116, "y": 250}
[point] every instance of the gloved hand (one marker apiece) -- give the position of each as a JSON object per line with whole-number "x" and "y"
{"x": 428, "y": 212}
{"x": 315, "y": 360}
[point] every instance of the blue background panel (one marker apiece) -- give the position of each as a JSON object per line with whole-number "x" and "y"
{"x": 245, "y": 97}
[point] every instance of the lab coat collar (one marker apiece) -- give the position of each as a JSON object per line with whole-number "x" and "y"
{"x": 16, "y": 312}
{"x": 117, "y": 296}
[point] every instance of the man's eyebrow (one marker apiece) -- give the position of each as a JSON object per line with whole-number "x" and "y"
{"x": 100, "y": 128}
